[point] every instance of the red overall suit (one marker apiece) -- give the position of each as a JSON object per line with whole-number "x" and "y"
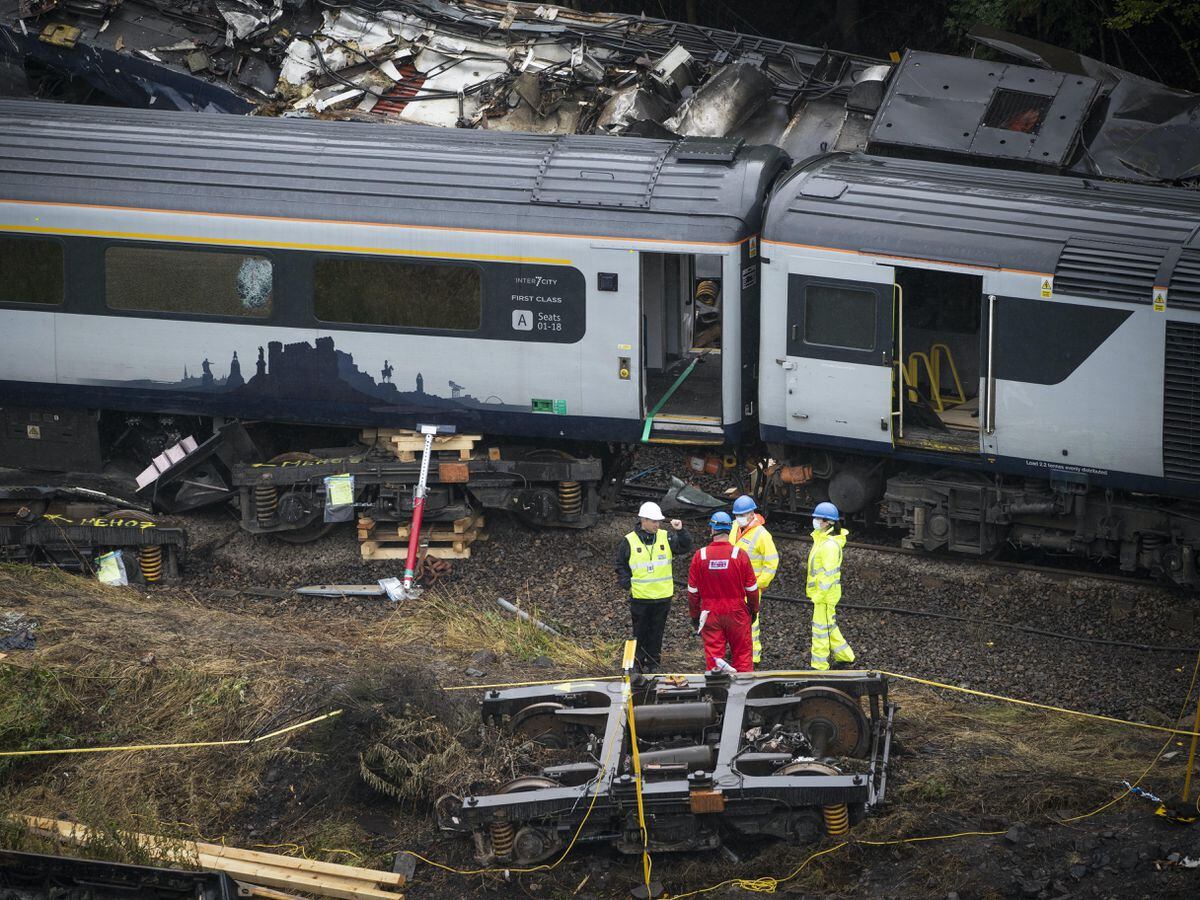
{"x": 721, "y": 581}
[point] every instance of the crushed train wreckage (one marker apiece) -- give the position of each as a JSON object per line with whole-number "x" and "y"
{"x": 541, "y": 68}
{"x": 777, "y": 755}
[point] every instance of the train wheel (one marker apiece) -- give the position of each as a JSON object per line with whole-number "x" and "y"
{"x": 538, "y": 723}
{"x": 317, "y": 527}
{"x": 832, "y": 721}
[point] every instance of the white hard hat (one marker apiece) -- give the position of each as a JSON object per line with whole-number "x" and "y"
{"x": 651, "y": 510}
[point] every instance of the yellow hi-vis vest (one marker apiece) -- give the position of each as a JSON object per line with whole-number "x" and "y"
{"x": 651, "y": 577}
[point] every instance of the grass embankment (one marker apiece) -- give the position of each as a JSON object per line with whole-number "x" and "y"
{"x": 118, "y": 666}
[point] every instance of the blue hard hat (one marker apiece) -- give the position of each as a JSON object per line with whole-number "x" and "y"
{"x": 826, "y": 510}
{"x": 743, "y": 505}
{"x": 720, "y": 521}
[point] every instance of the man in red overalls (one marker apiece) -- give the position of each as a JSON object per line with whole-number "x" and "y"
{"x": 723, "y": 595}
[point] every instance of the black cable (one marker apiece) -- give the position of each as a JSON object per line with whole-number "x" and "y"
{"x": 992, "y": 622}
{"x": 904, "y": 611}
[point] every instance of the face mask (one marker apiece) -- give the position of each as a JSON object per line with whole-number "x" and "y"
{"x": 743, "y": 520}
{"x": 818, "y": 524}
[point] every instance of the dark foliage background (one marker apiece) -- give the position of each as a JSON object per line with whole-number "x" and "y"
{"x": 1159, "y": 39}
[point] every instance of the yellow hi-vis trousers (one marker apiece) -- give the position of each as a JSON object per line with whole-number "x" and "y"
{"x": 756, "y": 638}
{"x": 827, "y": 638}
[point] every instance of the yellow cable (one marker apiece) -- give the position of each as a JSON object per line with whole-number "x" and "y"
{"x": 177, "y": 746}
{"x": 1058, "y": 709}
{"x": 544, "y": 867}
{"x": 637, "y": 783}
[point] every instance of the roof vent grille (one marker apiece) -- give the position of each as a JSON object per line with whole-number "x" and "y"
{"x": 1181, "y": 402}
{"x": 1107, "y": 271}
{"x": 1017, "y": 111}
{"x": 1184, "y": 292}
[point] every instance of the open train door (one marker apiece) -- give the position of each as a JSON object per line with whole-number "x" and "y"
{"x": 839, "y": 357}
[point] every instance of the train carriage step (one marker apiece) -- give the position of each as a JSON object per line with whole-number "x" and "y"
{"x": 688, "y": 430}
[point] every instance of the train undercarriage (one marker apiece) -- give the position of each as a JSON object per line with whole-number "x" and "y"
{"x": 981, "y": 515}
{"x": 783, "y": 757}
{"x": 70, "y": 528}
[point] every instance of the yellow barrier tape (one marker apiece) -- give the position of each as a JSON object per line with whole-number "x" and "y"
{"x": 177, "y": 746}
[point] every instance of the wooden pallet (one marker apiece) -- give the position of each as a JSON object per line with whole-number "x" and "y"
{"x": 408, "y": 445}
{"x": 443, "y": 540}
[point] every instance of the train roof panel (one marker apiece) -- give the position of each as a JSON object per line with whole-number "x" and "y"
{"x": 691, "y": 189}
{"x": 988, "y": 218}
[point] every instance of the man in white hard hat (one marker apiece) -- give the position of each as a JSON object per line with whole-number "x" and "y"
{"x": 644, "y": 567}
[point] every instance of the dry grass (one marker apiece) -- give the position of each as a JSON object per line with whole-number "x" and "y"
{"x": 115, "y": 666}
{"x": 460, "y": 627}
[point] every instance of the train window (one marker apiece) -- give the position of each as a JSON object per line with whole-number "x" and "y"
{"x": 31, "y": 271}
{"x": 839, "y": 317}
{"x": 398, "y": 293}
{"x": 198, "y": 282}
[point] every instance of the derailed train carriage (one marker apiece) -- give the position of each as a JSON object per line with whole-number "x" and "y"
{"x": 351, "y": 275}
{"x": 983, "y": 357}
{"x": 789, "y": 757}
{"x": 1022, "y": 353}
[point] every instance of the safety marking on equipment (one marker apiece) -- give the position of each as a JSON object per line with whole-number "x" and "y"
{"x": 1160, "y": 299}
{"x": 1047, "y": 288}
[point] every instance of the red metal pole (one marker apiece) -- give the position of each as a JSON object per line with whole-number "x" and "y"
{"x": 410, "y": 563}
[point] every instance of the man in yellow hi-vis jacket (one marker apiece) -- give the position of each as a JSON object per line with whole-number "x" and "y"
{"x": 825, "y": 587}
{"x": 750, "y": 533}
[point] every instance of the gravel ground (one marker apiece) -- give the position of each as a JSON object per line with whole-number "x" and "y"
{"x": 567, "y": 577}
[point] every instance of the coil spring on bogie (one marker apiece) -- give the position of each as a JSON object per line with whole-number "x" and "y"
{"x": 266, "y": 501}
{"x": 706, "y": 292}
{"x": 570, "y": 497}
{"x": 837, "y": 819}
{"x": 502, "y": 838}
{"x": 150, "y": 560}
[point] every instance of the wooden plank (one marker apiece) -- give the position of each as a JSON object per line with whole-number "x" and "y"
{"x": 297, "y": 879}
{"x": 432, "y": 539}
{"x": 340, "y": 872}
{"x": 445, "y": 531}
{"x": 448, "y": 553}
{"x": 447, "y": 442}
{"x": 257, "y": 890}
{"x": 373, "y": 550}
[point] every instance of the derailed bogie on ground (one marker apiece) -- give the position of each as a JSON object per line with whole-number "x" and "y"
{"x": 785, "y": 756}
{"x": 71, "y": 528}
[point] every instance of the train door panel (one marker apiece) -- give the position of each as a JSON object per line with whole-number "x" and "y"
{"x": 839, "y": 355}
{"x": 938, "y": 332}
{"x": 681, "y": 334}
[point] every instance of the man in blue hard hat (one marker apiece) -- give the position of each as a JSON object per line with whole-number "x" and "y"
{"x": 825, "y": 588}
{"x": 723, "y": 597}
{"x": 643, "y": 563}
{"x": 750, "y": 533}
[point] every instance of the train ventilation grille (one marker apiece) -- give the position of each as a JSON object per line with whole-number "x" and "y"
{"x": 1181, "y": 402}
{"x": 1184, "y": 292}
{"x": 1107, "y": 271}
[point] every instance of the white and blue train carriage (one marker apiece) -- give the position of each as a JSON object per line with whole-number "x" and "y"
{"x": 1022, "y": 350}
{"x": 347, "y": 274}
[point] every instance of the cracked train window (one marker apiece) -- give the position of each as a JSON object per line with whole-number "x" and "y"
{"x": 31, "y": 271}
{"x": 398, "y": 293}
{"x": 199, "y": 282}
